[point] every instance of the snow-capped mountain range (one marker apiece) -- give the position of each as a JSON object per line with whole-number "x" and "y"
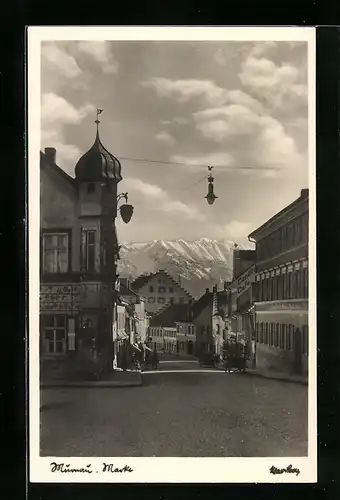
{"x": 196, "y": 264}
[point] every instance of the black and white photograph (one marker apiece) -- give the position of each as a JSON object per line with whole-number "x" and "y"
{"x": 172, "y": 254}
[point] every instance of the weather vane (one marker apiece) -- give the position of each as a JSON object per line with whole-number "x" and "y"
{"x": 210, "y": 197}
{"x": 99, "y": 112}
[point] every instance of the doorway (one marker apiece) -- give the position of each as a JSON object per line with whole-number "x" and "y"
{"x": 190, "y": 347}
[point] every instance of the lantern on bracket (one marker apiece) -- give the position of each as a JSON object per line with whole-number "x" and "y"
{"x": 210, "y": 197}
{"x": 126, "y": 210}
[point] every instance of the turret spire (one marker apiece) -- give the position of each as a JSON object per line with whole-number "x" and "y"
{"x": 97, "y": 122}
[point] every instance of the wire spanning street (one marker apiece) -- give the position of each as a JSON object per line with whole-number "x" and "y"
{"x": 182, "y": 410}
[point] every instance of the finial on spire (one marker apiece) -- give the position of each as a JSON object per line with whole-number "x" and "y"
{"x": 99, "y": 112}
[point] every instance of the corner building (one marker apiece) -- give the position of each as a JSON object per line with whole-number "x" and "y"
{"x": 281, "y": 289}
{"x": 78, "y": 259}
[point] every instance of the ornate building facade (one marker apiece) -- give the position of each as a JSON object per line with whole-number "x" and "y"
{"x": 159, "y": 290}
{"x": 281, "y": 289}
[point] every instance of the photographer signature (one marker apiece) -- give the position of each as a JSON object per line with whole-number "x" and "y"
{"x": 287, "y": 470}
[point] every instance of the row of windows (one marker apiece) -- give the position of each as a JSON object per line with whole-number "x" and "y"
{"x": 293, "y": 285}
{"x": 56, "y": 255}
{"x": 163, "y": 300}
{"x": 161, "y": 289}
{"x": 157, "y": 332}
{"x": 290, "y": 236}
{"x": 282, "y": 336}
{"x": 186, "y": 329}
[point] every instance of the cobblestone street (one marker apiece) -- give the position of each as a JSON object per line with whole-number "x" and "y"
{"x": 202, "y": 413}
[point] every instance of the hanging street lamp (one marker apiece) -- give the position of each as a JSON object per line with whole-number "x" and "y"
{"x": 126, "y": 211}
{"x": 211, "y": 197}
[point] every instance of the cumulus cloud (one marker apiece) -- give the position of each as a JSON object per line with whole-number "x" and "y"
{"x": 55, "y": 113}
{"x": 178, "y": 120}
{"x": 215, "y": 159}
{"x": 263, "y": 48}
{"x": 58, "y": 60}
{"x": 100, "y": 52}
{"x": 184, "y": 90}
{"x": 159, "y": 200}
{"x": 63, "y": 63}
{"x": 181, "y": 120}
{"x": 165, "y": 137}
{"x": 268, "y": 145}
{"x": 234, "y": 230}
{"x": 278, "y": 85}
{"x": 222, "y": 123}
{"x": 55, "y": 108}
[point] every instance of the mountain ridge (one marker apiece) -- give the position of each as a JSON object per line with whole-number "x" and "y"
{"x": 196, "y": 264}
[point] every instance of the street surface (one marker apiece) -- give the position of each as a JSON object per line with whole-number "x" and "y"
{"x": 182, "y": 410}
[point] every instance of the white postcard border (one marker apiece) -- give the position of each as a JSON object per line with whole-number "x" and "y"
{"x": 152, "y": 469}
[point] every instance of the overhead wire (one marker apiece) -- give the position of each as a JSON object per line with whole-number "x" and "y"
{"x": 223, "y": 167}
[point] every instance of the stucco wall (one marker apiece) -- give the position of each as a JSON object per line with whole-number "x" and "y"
{"x": 177, "y": 293}
{"x": 58, "y": 209}
{"x": 277, "y": 360}
{"x": 203, "y": 319}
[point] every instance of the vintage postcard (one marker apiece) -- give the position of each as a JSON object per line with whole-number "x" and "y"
{"x": 172, "y": 235}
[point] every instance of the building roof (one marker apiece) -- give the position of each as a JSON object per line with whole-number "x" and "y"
{"x": 46, "y": 162}
{"x": 98, "y": 164}
{"x": 124, "y": 290}
{"x": 303, "y": 196}
{"x": 207, "y": 300}
{"x": 171, "y": 314}
{"x": 142, "y": 280}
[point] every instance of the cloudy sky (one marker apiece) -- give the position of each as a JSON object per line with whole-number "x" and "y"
{"x": 239, "y": 106}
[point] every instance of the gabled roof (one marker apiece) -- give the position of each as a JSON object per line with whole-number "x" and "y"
{"x": 171, "y": 314}
{"x": 44, "y": 162}
{"x": 207, "y": 300}
{"x": 201, "y": 304}
{"x": 142, "y": 280}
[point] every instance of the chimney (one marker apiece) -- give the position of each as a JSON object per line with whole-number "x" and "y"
{"x": 225, "y": 285}
{"x": 207, "y": 290}
{"x": 304, "y": 193}
{"x": 214, "y": 288}
{"x": 51, "y": 154}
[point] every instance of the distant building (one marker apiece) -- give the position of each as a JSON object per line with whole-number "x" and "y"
{"x": 174, "y": 318}
{"x": 209, "y": 314}
{"x": 170, "y": 340}
{"x": 281, "y": 289}
{"x": 241, "y": 295}
{"x": 138, "y": 303}
{"x": 159, "y": 289}
{"x": 156, "y": 338}
{"x": 242, "y": 260}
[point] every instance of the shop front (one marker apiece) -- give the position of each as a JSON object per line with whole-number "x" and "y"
{"x": 74, "y": 340}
